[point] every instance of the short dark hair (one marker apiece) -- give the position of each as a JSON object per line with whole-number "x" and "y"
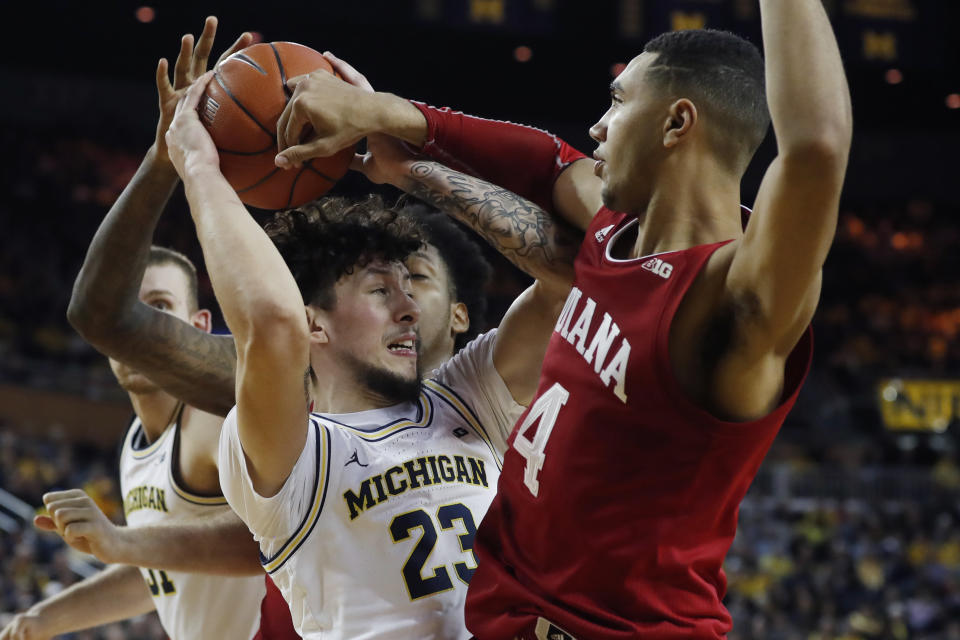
{"x": 723, "y": 75}
{"x": 469, "y": 271}
{"x": 329, "y": 238}
{"x": 162, "y": 255}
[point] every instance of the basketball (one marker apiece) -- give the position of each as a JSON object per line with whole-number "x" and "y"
{"x": 241, "y": 107}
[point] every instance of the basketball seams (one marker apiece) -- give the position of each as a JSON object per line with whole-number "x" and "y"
{"x": 283, "y": 72}
{"x": 248, "y": 82}
{"x": 223, "y": 85}
{"x": 260, "y": 181}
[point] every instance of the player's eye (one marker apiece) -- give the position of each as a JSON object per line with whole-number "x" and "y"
{"x": 419, "y": 276}
{"x": 380, "y": 291}
{"x": 162, "y": 305}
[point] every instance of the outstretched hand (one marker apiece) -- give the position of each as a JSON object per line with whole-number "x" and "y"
{"x": 75, "y": 517}
{"x": 337, "y": 113}
{"x": 191, "y": 64}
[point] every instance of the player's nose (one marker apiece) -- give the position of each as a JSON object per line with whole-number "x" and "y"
{"x": 407, "y": 310}
{"x": 599, "y": 131}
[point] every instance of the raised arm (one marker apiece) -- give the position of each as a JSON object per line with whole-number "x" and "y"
{"x": 219, "y": 544}
{"x": 259, "y": 299}
{"x": 189, "y": 363}
{"x": 777, "y": 267}
{"x": 532, "y": 239}
{"x": 525, "y": 160}
{"x": 116, "y": 593}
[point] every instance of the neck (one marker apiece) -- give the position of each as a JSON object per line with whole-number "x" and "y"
{"x": 343, "y": 393}
{"x": 435, "y": 360}
{"x": 156, "y": 410}
{"x": 694, "y": 206}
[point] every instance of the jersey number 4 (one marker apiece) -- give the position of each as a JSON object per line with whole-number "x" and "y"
{"x": 545, "y": 409}
{"x": 447, "y": 515}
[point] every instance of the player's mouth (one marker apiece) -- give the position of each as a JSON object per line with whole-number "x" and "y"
{"x": 598, "y": 165}
{"x": 404, "y": 346}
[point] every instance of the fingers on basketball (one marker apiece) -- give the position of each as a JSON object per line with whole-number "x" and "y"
{"x": 242, "y": 110}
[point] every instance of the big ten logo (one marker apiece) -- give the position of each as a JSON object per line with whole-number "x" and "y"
{"x": 659, "y": 267}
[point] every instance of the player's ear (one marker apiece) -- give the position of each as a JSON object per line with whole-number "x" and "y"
{"x": 203, "y": 320}
{"x": 316, "y": 321}
{"x": 459, "y": 318}
{"x": 681, "y": 118}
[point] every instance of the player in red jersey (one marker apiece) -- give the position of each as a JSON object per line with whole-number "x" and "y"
{"x": 684, "y": 342}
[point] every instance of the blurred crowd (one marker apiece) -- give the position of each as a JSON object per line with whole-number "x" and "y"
{"x": 35, "y": 565}
{"x": 856, "y": 570}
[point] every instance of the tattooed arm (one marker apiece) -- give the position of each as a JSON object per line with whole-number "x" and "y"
{"x": 535, "y": 241}
{"x": 105, "y": 308}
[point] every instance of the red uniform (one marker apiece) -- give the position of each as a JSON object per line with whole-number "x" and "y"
{"x": 618, "y": 499}
{"x": 276, "y": 623}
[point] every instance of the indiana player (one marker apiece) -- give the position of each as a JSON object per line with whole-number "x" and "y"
{"x": 683, "y": 343}
{"x": 366, "y": 514}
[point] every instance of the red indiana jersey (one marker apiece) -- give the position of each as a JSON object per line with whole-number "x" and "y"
{"x": 618, "y": 498}
{"x": 276, "y": 623}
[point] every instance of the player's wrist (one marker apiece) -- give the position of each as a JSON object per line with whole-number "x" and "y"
{"x": 397, "y": 117}
{"x": 43, "y": 619}
{"x": 158, "y": 160}
{"x": 119, "y": 546}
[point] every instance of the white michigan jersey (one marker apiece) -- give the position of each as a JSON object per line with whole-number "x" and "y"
{"x": 191, "y": 606}
{"x": 371, "y": 536}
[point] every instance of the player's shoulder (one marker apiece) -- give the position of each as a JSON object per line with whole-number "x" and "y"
{"x": 460, "y": 371}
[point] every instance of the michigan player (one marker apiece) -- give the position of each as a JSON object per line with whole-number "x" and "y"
{"x": 683, "y": 343}
{"x": 365, "y": 514}
{"x": 168, "y": 462}
{"x": 168, "y": 474}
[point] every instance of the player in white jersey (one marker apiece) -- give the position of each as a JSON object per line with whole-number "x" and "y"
{"x": 168, "y": 475}
{"x": 174, "y": 478}
{"x": 398, "y": 568}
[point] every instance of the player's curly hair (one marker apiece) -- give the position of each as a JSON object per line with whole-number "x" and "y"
{"x": 329, "y": 238}
{"x": 469, "y": 271}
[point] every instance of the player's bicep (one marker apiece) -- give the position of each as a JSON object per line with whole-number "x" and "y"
{"x": 272, "y": 409}
{"x": 775, "y": 272}
{"x": 577, "y": 193}
{"x": 272, "y": 518}
{"x": 522, "y": 339}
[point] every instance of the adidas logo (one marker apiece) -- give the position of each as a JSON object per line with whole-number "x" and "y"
{"x": 659, "y": 267}
{"x": 600, "y": 235}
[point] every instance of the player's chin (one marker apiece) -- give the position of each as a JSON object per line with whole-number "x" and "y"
{"x": 133, "y": 382}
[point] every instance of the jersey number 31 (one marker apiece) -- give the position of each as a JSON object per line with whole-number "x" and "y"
{"x": 545, "y": 409}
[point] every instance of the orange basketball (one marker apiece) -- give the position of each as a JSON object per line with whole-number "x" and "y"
{"x": 240, "y": 109}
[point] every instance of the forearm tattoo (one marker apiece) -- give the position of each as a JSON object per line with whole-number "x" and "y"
{"x": 525, "y": 234}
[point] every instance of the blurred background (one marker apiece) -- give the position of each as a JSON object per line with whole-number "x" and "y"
{"x": 852, "y": 528}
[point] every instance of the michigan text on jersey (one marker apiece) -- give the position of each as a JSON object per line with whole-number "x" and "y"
{"x": 413, "y": 474}
{"x": 144, "y": 497}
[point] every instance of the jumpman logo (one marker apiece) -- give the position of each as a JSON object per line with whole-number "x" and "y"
{"x": 355, "y": 458}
